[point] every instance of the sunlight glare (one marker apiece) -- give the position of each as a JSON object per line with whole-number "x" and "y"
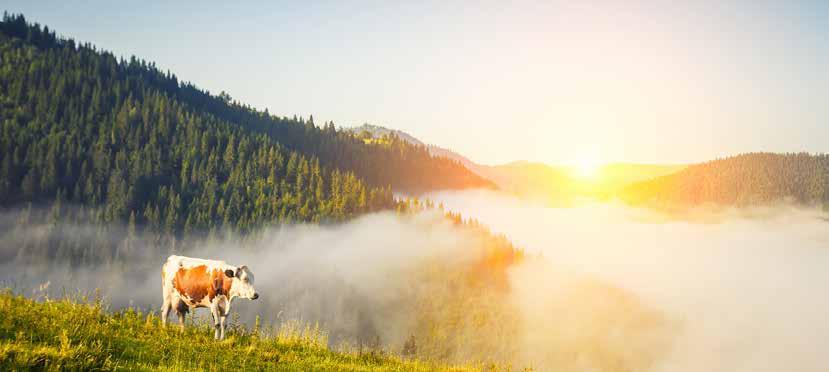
{"x": 586, "y": 166}
{"x": 587, "y": 169}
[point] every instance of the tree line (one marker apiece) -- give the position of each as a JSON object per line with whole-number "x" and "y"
{"x": 746, "y": 179}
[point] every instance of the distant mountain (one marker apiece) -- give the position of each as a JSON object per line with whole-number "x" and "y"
{"x": 562, "y": 185}
{"x": 747, "y": 179}
{"x": 554, "y": 184}
{"x": 624, "y": 174}
{"x": 377, "y": 132}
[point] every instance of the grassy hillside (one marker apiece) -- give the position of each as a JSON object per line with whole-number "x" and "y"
{"x": 66, "y": 334}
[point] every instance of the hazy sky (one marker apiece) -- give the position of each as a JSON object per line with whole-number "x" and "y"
{"x": 545, "y": 81}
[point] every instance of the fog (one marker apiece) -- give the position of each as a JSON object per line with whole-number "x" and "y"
{"x": 352, "y": 278}
{"x": 747, "y": 289}
{"x": 605, "y": 287}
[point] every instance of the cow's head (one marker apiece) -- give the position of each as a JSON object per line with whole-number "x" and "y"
{"x": 242, "y": 283}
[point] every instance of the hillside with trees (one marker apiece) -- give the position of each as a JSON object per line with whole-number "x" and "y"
{"x": 742, "y": 180}
{"x": 85, "y": 106}
{"x": 81, "y": 127}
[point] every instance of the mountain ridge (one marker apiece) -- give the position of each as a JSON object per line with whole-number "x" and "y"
{"x": 739, "y": 180}
{"x": 559, "y": 184}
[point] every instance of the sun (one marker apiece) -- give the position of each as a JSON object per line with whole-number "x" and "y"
{"x": 587, "y": 169}
{"x": 586, "y": 166}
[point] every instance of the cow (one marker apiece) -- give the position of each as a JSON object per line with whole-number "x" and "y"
{"x": 188, "y": 283}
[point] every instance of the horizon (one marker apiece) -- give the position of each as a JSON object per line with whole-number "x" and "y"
{"x": 574, "y": 164}
{"x": 622, "y": 72}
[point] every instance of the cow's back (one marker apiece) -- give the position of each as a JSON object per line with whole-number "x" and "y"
{"x": 196, "y": 280}
{"x": 175, "y": 263}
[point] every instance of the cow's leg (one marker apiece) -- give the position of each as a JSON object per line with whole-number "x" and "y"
{"x": 181, "y": 311}
{"x": 224, "y": 309}
{"x": 165, "y": 311}
{"x": 181, "y": 320}
{"x": 214, "y": 311}
{"x": 222, "y": 318}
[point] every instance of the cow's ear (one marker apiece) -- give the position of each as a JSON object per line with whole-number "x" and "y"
{"x": 229, "y": 273}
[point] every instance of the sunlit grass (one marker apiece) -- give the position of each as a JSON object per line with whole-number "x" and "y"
{"x": 78, "y": 334}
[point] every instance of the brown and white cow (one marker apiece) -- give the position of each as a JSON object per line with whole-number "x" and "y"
{"x": 188, "y": 283}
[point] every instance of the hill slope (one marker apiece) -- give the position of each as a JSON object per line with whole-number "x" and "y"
{"x": 79, "y": 126}
{"x": 81, "y": 336}
{"x": 82, "y": 128}
{"x": 747, "y": 179}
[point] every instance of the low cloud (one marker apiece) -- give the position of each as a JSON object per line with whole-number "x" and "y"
{"x": 740, "y": 290}
{"x": 352, "y": 278}
{"x": 605, "y": 287}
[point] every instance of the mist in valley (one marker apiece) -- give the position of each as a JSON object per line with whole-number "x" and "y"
{"x": 744, "y": 289}
{"x": 603, "y": 287}
{"x": 349, "y": 278}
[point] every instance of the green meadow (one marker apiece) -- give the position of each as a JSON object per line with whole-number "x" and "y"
{"x": 79, "y": 334}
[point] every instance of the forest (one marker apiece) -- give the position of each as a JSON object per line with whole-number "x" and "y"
{"x": 742, "y": 180}
{"x": 90, "y": 137}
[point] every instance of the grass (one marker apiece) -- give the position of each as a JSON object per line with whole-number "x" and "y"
{"x": 78, "y": 334}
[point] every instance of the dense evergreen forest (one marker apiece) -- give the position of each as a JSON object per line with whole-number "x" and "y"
{"x": 742, "y": 180}
{"x": 88, "y": 138}
{"x": 398, "y": 164}
{"x": 81, "y": 126}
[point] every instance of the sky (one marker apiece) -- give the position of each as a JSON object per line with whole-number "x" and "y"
{"x": 547, "y": 81}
